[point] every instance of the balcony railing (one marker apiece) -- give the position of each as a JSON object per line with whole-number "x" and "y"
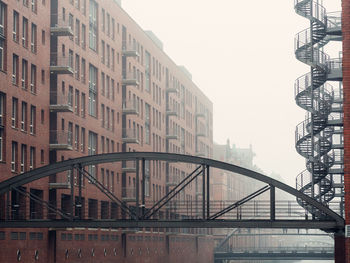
{"x": 335, "y": 67}
{"x": 129, "y": 167}
{"x": 60, "y": 64}
{"x": 129, "y": 194}
{"x": 172, "y": 179}
{"x": 200, "y": 114}
{"x": 130, "y": 79}
{"x": 60, "y": 27}
{"x": 171, "y": 135}
{"x": 334, "y": 23}
{"x": 130, "y": 107}
{"x": 61, "y": 181}
{"x": 61, "y": 140}
{"x": 130, "y": 136}
{"x": 60, "y": 102}
{"x": 171, "y": 88}
{"x": 171, "y": 111}
{"x": 200, "y": 133}
{"x": 200, "y": 153}
{"x": 129, "y": 49}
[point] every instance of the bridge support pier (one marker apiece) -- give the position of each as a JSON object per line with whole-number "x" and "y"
{"x": 339, "y": 248}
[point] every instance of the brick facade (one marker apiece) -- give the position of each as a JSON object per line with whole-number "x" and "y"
{"x": 60, "y": 109}
{"x": 346, "y": 88}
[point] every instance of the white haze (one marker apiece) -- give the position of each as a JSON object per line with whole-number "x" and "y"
{"x": 241, "y": 54}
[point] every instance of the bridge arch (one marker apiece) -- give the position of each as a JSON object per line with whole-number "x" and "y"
{"x": 47, "y": 170}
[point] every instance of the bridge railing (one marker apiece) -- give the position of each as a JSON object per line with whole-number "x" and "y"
{"x": 305, "y": 249}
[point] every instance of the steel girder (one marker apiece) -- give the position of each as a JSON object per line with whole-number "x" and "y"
{"x": 335, "y": 221}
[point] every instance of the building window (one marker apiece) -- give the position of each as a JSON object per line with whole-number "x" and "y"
{"x": 83, "y": 71}
{"x": 71, "y": 59}
{"x": 108, "y": 88}
{"x": 113, "y": 58}
{"x": 43, "y": 37}
{"x": 2, "y": 55}
{"x": 108, "y": 24}
{"x": 83, "y": 36}
{"x": 71, "y": 23}
{"x": 77, "y": 66}
{"x": 113, "y": 28}
{"x": 2, "y": 18}
{"x": 23, "y": 158}
{"x": 24, "y": 81}
{"x": 92, "y": 150}
{"x": 103, "y": 82}
{"x": 25, "y": 32}
{"x": 32, "y": 158}
{"x": 77, "y": 32}
{"x": 82, "y": 140}
{"x": 108, "y": 56}
{"x": 2, "y": 109}
{"x": 34, "y": 6}
{"x": 93, "y": 25}
{"x": 77, "y": 4}
{"x": 1, "y": 145}
{"x": 33, "y": 79}
{"x": 92, "y": 91}
{"x": 103, "y": 52}
{"x": 70, "y": 96}
{"x": 15, "y": 69}
{"x": 102, "y": 115}
{"x": 15, "y": 28}
{"x": 14, "y": 115}
{"x": 82, "y": 105}
{"x": 33, "y": 40}
{"x": 76, "y": 138}
{"x": 32, "y": 123}
{"x": 103, "y": 20}
{"x": 76, "y": 102}
{"x": 24, "y": 117}
{"x": 14, "y": 156}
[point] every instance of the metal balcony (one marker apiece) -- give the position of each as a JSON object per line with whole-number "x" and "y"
{"x": 171, "y": 89}
{"x": 171, "y": 180}
{"x": 130, "y": 107}
{"x": 335, "y": 69}
{"x": 130, "y": 136}
{"x": 60, "y": 65}
{"x": 334, "y": 24}
{"x": 200, "y": 115}
{"x": 171, "y": 137}
{"x": 2, "y": 122}
{"x": 129, "y": 194}
{"x": 60, "y": 102}
{"x": 171, "y": 112}
{"x": 129, "y": 50}
{"x": 200, "y": 133}
{"x": 130, "y": 79}
{"x": 200, "y": 153}
{"x": 129, "y": 167}
{"x": 61, "y": 140}
{"x": 60, "y": 27}
{"x": 61, "y": 185}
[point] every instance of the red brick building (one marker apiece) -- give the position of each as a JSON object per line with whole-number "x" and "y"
{"x": 346, "y": 87}
{"x": 80, "y": 77}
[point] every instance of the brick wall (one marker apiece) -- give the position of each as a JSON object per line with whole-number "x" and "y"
{"x": 346, "y": 85}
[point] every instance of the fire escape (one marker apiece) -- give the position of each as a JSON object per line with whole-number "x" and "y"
{"x": 319, "y": 138}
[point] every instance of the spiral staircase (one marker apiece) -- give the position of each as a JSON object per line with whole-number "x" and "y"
{"x": 314, "y": 136}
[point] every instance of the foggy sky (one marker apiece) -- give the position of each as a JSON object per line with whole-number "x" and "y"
{"x": 241, "y": 54}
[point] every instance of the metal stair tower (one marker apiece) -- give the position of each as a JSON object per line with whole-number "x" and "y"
{"x": 319, "y": 138}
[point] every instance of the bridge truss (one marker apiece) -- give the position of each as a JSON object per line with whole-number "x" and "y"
{"x": 167, "y": 212}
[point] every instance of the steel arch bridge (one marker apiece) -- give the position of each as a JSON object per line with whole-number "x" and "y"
{"x": 142, "y": 216}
